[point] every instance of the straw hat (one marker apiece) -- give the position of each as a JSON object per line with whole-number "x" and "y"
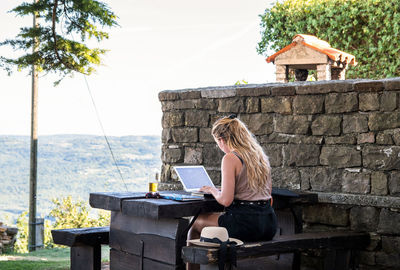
{"x": 213, "y": 236}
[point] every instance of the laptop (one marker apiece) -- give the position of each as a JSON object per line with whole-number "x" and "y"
{"x": 193, "y": 177}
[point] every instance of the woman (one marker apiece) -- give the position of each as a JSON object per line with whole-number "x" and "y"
{"x": 245, "y": 186}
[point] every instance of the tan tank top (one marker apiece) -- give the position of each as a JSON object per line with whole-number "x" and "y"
{"x": 243, "y": 192}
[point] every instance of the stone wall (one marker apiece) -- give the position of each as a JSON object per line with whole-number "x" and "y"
{"x": 340, "y": 139}
{"x": 8, "y": 236}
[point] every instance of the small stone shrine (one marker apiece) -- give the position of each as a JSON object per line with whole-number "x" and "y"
{"x": 310, "y": 53}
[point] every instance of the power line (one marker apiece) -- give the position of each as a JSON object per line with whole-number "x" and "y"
{"x": 104, "y": 133}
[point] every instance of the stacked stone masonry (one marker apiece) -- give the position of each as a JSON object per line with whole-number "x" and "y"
{"x": 340, "y": 139}
{"x": 8, "y": 236}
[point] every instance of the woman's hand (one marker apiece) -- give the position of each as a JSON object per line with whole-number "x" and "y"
{"x": 208, "y": 189}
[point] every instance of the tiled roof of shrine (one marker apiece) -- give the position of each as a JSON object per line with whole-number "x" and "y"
{"x": 318, "y": 45}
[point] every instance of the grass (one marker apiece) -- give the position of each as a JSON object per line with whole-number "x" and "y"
{"x": 21, "y": 265}
{"x": 45, "y": 259}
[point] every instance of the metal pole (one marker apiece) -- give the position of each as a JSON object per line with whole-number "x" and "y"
{"x": 34, "y": 141}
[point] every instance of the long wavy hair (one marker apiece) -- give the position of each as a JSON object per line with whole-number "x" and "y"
{"x": 238, "y": 138}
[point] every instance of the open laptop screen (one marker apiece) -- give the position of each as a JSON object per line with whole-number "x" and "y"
{"x": 193, "y": 177}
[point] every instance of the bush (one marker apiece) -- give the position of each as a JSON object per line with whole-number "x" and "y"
{"x": 368, "y": 29}
{"x": 67, "y": 214}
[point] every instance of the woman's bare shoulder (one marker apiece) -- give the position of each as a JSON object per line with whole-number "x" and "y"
{"x": 231, "y": 158}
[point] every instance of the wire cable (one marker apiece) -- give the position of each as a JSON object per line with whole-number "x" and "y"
{"x": 104, "y": 133}
{"x": 102, "y": 128}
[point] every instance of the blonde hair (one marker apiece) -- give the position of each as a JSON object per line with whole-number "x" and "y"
{"x": 237, "y": 137}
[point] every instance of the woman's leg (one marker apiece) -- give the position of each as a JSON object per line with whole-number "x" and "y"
{"x": 203, "y": 220}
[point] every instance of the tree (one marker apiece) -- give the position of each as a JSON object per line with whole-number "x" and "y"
{"x": 366, "y": 29}
{"x": 55, "y": 53}
{"x": 66, "y": 214}
{"x": 75, "y": 214}
{"x": 58, "y": 53}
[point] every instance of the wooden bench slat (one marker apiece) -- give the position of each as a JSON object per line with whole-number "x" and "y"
{"x": 163, "y": 208}
{"x": 112, "y": 200}
{"x": 283, "y": 244}
{"x": 81, "y": 236}
{"x": 289, "y": 243}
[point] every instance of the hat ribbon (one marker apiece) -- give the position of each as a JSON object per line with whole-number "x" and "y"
{"x": 223, "y": 251}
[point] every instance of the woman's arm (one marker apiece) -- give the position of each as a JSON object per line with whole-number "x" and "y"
{"x": 229, "y": 167}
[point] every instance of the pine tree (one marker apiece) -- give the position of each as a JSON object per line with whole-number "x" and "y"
{"x": 65, "y": 26}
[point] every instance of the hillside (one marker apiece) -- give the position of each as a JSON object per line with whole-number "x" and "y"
{"x": 73, "y": 165}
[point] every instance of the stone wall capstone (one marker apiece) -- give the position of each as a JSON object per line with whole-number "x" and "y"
{"x": 340, "y": 139}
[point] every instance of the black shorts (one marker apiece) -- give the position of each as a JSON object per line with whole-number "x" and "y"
{"x": 249, "y": 222}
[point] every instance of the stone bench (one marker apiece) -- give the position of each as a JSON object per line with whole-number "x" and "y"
{"x": 337, "y": 244}
{"x": 85, "y": 245}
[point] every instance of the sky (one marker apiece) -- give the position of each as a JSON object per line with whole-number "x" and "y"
{"x": 160, "y": 45}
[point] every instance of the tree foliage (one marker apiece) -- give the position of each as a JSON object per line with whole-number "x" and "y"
{"x": 70, "y": 214}
{"x": 58, "y": 51}
{"x": 368, "y": 29}
{"x": 66, "y": 214}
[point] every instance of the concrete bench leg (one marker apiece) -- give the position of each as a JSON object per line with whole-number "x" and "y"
{"x": 86, "y": 257}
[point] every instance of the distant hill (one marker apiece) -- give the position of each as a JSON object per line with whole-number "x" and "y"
{"x": 73, "y": 165}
